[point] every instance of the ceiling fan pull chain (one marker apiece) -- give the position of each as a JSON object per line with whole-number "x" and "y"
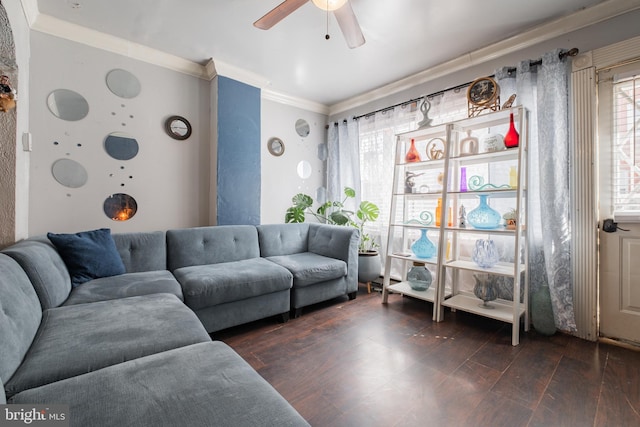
{"x": 327, "y": 36}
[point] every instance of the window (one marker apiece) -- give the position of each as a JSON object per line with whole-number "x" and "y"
{"x": 377, "y": 143}
{"x": 619, "y": 104}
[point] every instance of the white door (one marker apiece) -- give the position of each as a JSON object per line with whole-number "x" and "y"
{"x": 619, "y": 189}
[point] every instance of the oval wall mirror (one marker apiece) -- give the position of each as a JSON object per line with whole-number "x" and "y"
{"x": 304, "y": 169}
{"x": 123, "y": 84}
{"x": 67, "y": 105}
{"x": 69, "y": 173}
{"x": 120, "y": 207}
{"x": 302, "y": 127}
{"x": 121, "y": 146}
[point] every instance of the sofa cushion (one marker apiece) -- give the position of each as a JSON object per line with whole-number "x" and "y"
{"x": 211, "y": 245}
{"x": 282, "y": 239}
{"x": 125, "y": 285}
{"x": 77, "y": 339}
{"x": 213, "y": 284}
{"x": 88, "y": 254}
{"x": 200, "y": 385}
{"x": 46, "y": 270}
{"x": 20, "y": 316}
{"x": 309, "y": 268}
{"x": 143, "y": 251}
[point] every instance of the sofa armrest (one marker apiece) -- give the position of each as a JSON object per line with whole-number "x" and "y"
{"x": 334, "y": 241}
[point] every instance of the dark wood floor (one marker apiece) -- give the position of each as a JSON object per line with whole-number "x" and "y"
{"x": 362, "y": 363}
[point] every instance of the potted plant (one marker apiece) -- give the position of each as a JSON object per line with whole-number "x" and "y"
{"x": 334, "y": 212}
{"x": 510, "y": 219}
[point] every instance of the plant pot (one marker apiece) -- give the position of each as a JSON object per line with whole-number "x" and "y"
{"x": 368, "y": 266}
{"x": 510, "y": 224}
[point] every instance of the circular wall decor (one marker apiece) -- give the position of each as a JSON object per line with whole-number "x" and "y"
{"x": 123, "y": 84}
{"x": 68, "y": 105}
{"x": 69, "y": 173}
{"x": 275, "y": 146}
{"x": 177, "y": 127}
{"x": 302, "y": 128}
{"x": 120, "y": 207}
{"x": 304, "y": 169}
{"x": 121, "y": 146}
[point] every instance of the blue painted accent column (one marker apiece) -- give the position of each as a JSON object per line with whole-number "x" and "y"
{"x": 238, "y": 200}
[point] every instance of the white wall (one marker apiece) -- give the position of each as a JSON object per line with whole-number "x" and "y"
{"x": 280, "y": 180}
{"x": 170, "y": 178}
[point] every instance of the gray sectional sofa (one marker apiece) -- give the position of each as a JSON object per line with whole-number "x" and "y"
{"x": 134, "y": 348}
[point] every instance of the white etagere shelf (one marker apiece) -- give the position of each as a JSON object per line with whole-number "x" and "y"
{"x": 438, "y": 181}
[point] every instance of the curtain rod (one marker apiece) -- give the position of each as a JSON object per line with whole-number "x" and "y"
{"x": 571, "y": 52}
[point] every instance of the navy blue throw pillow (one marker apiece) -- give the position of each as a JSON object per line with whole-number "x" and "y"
{"x": 88, "y": 255}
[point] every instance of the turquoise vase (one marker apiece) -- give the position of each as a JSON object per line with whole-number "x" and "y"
{"x": 423, "y": 247}
{"x": 484, "y": 217}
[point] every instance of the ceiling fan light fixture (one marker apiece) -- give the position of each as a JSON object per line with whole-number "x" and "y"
{"x": 329, "y": 5}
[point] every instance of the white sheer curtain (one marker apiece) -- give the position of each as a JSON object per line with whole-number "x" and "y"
{"x": 377, "y": 143}
{"x": 342, "y": 161}
{"x": 543, "y": 90}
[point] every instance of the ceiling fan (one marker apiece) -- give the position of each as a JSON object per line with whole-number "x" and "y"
{"x": 341, "y": 10}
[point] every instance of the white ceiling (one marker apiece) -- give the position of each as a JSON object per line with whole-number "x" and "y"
{"x": 403, "y": 37}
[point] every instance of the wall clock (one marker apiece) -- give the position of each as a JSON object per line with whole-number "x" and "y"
{"x": 483, "y": 94}
{"x": 177, "y": 127}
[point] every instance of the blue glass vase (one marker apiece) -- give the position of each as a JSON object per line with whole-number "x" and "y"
{"x": 485, "y": 253}
{"x": 423, "y": 247}
{"x": 484, "y": 217}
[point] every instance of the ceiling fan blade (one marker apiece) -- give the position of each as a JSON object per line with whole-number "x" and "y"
{"x": 278, "y": 13}
{"x": 349, "y": 25}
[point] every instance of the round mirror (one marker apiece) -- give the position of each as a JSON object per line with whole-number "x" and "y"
{"x": 302, "y": 127}
{"x": 120, "y": 207}
{"x": 123, "y": 84}
{"x": 69, "y": 173}
{"x": 275, "y": 146}
{"x": 121, "y": 146}
{"x": 304, "y": 169}
{"x": 67, "y": 105}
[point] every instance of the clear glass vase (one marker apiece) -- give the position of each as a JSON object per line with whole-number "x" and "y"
{"x": 419, "y": 277}
{"x": 423, "y": 247}
{"x": 484, "y": 217}
{"x": 486, "y": 289}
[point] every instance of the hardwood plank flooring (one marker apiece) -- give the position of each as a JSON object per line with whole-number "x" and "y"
{"x": 363, "y": 363}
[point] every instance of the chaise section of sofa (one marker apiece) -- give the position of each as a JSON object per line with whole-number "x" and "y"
{"x": 322, "y": 258}
{"x": 200, "y": 385}
{"x": 223, "y": 277}
{"x": 41, "y": 347}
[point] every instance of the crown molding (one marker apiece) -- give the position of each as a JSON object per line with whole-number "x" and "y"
{"x": 584, "y": 18}
{"x": 79, "y": 34}
{"x": 293, "y": 101}
{"x": 240, "y": 74}
{"x": 30, "y": 9}
{"x": 87, "y": 36}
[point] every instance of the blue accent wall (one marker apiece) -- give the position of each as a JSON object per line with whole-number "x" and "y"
{"x": 238, "y": 200}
